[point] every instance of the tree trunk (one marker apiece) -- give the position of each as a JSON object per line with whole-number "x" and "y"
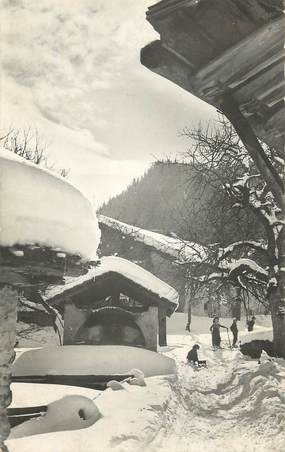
{"x": 277, "y": 293}
{"x": 278, "y": 321}
{"x": 189, "y": 316}
{"x": 8, "y": 318}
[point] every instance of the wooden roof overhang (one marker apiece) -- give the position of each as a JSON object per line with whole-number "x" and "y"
{"x": 112, "y": 283}
{"x": 32, "y": 268}
{"x": 229, "y": 53}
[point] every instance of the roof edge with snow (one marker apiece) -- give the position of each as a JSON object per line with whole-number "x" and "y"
{"x": 124, "y": 269}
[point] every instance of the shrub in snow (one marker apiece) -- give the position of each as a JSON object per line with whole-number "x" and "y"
{"x": 69, "y": 413}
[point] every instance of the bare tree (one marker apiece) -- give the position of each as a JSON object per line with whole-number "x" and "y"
{"x": 255, "y": 264}
{"x": 27, "y": 144}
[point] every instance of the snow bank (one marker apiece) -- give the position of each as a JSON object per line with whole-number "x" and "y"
{"x": 72, "y": 412}
{"x": 131, "y": 271}
{"x": 234, "y": 404}
{"x": 174, "y": 247}
{"x": 92, "y": 360}
{"x": 130, "y": 420}
{"x": 38, "y": 207}
{"x": 30, "y": 394}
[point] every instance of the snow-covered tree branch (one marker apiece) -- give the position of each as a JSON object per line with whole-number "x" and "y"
{"x": 254, "y": 263}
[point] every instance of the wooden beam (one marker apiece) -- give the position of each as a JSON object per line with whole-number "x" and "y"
{"x": 169, "y": 64}
{"x": 162, "y": 336}
{"x": 242, "y": 59}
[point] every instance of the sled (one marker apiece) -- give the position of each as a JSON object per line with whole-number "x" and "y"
{"x": 201, "y": 364}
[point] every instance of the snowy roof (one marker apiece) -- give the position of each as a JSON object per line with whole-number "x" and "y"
{"x": 122, "y": 267}
{"x": 39, "y": 207}
{"x": 176, "y": 248}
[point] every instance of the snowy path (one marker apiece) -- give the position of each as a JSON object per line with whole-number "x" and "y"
{"x": 233, "y": 404}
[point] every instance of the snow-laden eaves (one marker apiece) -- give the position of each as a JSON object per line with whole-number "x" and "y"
{"x": 123, "y": 267}
{"x": 182, "y": 251}
{"x": 39, "y": 207}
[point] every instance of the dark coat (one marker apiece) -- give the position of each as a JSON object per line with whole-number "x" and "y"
{"x": 250, "y": 325}
{"x": 234, "y": 328}
{"x": 193, "y": 355}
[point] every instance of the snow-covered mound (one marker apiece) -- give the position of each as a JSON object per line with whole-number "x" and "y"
{"x": 130, "y": 420}
{"x": 36, "y": 394}
{"x": 38, "y": 207}
{"x": 92, "y": 360}
{"x": 72, "y": 412}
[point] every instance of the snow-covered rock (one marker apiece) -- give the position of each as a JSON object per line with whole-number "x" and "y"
{"x": 264, "y": 357}
{"x": 138, "y": 378}
{"x": 38, "y": 207}
{"x": 115, "y": 385}
{"x": 69, "y": 413}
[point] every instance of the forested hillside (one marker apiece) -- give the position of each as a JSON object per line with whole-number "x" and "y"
{"x": 172, "y": 198}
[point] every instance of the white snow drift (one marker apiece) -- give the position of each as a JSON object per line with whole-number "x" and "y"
{"x": 235, "y": 404}
{"x": 38, "y": 207}
{"x": 72, "y": 412}
{"x": 92, "y": 360}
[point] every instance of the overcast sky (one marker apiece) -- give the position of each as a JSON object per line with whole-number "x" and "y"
{"x": 71, "y": 70}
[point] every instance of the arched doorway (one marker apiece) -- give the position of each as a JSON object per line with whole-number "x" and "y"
{"x": 110, "y": 326}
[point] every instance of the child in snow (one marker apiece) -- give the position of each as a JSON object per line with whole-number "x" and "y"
{"x": 250, "y": 324}
{"x": 215, "y": 330}
{"x": 234, "y": 330}
{"x": 192, "y": 357}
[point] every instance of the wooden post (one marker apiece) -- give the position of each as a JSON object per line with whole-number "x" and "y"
{"x": 162, "y": 340}
{"x": 8, "y": 319}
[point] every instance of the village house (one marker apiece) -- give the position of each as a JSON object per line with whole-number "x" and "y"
{"x": 163, "y": 255}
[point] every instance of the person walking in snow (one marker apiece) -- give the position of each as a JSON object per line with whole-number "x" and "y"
{"x": 215, "y": 330}
{"x": 234, "y": 330}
